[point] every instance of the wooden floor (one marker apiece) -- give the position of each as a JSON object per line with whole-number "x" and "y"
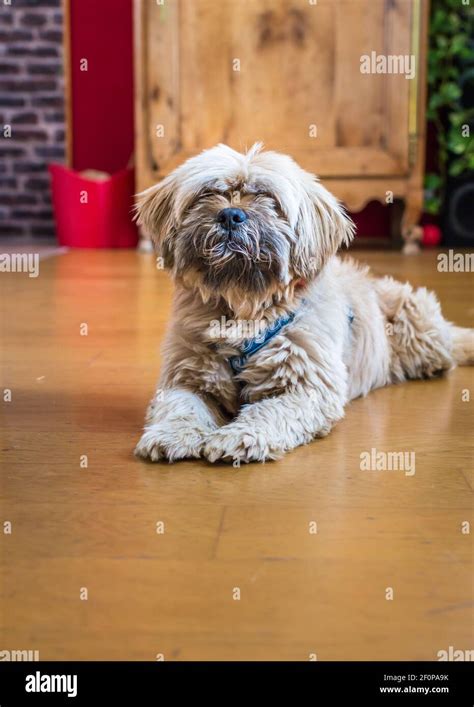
{"x": 173, "y": 593}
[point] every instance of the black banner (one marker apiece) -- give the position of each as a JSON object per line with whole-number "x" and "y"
{"x": 87, "y": 683}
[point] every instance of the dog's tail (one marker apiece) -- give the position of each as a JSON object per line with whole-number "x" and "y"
{"x": 463, "y": 346}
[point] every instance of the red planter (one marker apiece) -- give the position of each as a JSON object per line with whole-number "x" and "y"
{"x": 91, "y": 213}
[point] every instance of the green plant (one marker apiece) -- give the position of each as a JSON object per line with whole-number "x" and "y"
{"x": 450, "y": 65}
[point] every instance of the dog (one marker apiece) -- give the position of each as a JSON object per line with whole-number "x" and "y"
{"x": 272, "y": 334}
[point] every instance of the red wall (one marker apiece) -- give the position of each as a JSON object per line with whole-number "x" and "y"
{"x": 102, "y": 97}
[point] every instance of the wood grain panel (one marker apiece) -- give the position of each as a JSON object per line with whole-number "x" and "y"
{"x": 240, "y": 71}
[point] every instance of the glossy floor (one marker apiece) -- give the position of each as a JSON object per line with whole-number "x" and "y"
{"x": 112, "y": 558}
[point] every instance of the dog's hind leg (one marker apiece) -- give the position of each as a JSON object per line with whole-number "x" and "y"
{"x": 463, "y": 346}
{"x": 423, "y": 343}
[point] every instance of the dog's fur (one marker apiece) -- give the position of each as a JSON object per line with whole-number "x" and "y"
{"x": 280, "y": 260}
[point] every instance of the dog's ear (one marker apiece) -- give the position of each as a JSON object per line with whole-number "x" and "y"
{"x": 154, "y": 212}
{"x": 322, "y": 228}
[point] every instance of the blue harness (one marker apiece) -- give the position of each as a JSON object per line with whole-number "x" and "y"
{"x": 251, "y": 346}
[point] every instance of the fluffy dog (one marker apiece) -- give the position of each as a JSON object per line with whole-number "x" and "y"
{"x": 271, "y": 333}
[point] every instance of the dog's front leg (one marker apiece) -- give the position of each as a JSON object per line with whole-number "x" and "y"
{"x": 176, "y": 424}
{"x": 268, "y": 428}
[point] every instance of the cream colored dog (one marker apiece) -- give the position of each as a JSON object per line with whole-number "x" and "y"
{"x": 272, "y": 334}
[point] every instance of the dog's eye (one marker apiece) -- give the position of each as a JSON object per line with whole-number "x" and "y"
{"x": 263, "y": 194}
{"x": 205, "y": 194}
{"x": 200, "y": 196}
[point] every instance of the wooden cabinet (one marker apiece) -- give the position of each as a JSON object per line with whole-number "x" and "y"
{"x": 291, "y": 74}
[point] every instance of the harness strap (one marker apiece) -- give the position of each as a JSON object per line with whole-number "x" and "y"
{"x": 251, "y": 346}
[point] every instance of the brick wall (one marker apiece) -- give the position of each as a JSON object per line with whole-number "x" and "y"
{"x": 32, "y": 103}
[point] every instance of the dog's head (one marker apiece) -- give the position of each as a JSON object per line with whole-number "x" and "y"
{"x": 243, "y": 225}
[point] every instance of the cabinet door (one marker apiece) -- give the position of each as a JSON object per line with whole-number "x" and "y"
{"x": 286, "y": 72}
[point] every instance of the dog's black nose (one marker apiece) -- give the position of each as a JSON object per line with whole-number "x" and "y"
{"x": 231, "y": 217}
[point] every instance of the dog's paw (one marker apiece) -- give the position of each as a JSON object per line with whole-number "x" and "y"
{"x": 234, "y": 444}
{"x": 170, "y": 442}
